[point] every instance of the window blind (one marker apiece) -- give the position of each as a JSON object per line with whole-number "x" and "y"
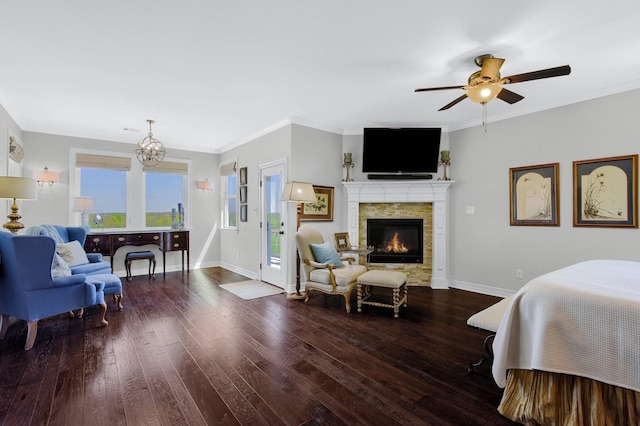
{"x": 228, "y": 169}
{"x": 103, "y": 162}
{"x": 168, "y": 167}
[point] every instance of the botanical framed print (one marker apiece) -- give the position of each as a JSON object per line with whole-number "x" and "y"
{"x": 243, "y": 194}
{"x": 605, "y": 192}
{"x": 322, "y": 209}
{"x": 534, "y": 195}
{"x": 342, "y": 241}
{"x": 243, "y": 213}
{"x": 243, "y": 176}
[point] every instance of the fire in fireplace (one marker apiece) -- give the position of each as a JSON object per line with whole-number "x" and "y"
{"x": 395, "y": 240}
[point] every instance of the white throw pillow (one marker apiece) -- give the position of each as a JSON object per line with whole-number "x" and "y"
{"x": 72, "y": 253}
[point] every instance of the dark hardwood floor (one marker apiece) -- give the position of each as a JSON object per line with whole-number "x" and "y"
{"x": 186, "y": 352}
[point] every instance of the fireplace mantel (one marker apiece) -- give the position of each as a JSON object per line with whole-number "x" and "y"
{"x": 406, "y": 191}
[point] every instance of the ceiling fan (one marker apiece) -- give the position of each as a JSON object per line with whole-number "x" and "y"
{"x": 486, "y": 84}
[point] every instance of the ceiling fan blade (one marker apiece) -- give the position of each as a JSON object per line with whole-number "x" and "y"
{"x": 509, "y": 97}
{"x": 491, "y": 68}
{"x": 455, "y": 101}
{"x": 429, "y": 89}
{"x": 536, "y": 75}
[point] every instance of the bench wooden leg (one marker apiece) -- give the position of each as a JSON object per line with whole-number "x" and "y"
{"x": 396, "y": 302}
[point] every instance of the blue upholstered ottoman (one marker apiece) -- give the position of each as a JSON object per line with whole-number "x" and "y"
{"x": 112, "y": 285}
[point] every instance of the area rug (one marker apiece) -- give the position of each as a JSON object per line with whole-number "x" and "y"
{"x": 252, "y": 289}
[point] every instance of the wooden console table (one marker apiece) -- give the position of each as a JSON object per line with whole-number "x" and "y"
{"x": 107, "y": 243}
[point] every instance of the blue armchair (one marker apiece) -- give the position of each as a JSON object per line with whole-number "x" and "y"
{"x": 28, "y": 291}
{"x": 96, "y": 264}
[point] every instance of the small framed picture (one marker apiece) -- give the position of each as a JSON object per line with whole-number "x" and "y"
{"x": 322, "y": 209}
{"x": 342, "y": 241}
{"x": 243, "y": 194}
{"x": 243, "y": 176}
{"x": 243, "y": 213}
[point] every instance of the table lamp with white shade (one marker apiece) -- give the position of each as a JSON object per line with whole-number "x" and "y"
{"x": 16, "y": 188}
{"x": 83, "y": 205}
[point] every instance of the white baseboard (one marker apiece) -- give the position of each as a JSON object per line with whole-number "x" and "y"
{"x": 234, "y": 268}
{"x": 479, "y": 288}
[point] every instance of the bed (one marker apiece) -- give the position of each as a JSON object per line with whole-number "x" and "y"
{"x": 567, "y": 350}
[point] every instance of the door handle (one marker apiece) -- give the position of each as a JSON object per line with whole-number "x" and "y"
{"x": 281, "y": 232}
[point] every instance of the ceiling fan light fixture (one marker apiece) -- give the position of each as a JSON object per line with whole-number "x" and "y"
{"x": 484, "y": 93}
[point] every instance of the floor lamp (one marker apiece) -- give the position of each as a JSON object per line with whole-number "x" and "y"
{"x": 16, "y": 188}
{"x": 298, "y": 192}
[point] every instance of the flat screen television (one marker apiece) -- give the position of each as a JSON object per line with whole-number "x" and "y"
{"x": 398, "y": 151}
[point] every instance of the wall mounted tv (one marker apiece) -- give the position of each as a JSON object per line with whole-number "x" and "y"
{"x": 410, "y": 152}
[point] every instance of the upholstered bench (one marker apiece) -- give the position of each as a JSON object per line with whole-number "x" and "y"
{"x": 488, "y": 319}
{"x": 112, "y": 285}
{"x": 140, "y": 255}
{"x": 381, "y": 278}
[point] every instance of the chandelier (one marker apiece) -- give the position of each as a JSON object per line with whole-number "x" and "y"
{"x": 150, "y": 151}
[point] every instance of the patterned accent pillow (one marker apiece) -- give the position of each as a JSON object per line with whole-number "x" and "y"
{"x": 72, "y": 253}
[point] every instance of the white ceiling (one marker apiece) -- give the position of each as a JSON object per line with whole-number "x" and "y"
{"x": 213, "y": 74}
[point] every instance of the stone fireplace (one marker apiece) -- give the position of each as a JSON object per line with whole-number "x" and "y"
{"x": 424, "y": 200}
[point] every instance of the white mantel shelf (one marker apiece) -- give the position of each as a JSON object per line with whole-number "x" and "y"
{"x": 407, "y": 191}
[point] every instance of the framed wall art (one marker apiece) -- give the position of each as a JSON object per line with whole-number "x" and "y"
{"x": 322, "y": 209}
{"x": 243, "y": 213}
{"x": 534, "y": 195}
{"x": 605, "y": 192}
{"x": 243, "y": 194}
{"x": 243, "y": 176}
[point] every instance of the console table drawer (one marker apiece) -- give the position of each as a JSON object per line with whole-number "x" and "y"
{"x": 98, "y": 244}
{"x": 137, "y": 239}
{"x": 176, "y": 240}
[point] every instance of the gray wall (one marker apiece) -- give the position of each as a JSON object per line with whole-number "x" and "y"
{"x": 485, "y": 250}
{"x": 311, "y": 155}
{"x": 53, "y": 203}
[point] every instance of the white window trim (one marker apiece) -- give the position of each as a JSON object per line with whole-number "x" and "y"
{"x": 224, "y": 194}
{"x": 135, "y": 219}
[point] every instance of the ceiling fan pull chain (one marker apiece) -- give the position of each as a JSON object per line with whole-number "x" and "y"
{"x": 484, "y": 116}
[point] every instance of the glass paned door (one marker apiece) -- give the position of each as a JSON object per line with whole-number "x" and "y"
{"x": 274, "y": 244}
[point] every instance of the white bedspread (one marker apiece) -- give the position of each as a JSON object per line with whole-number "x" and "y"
{"x": 582, "y": 320}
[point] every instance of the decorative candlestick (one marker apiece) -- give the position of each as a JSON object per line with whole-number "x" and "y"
{"x": 347, "y": 164}
{"x": 445, "y": 161}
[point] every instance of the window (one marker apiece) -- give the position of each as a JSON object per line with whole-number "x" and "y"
{"x": 104, "y": 178}
{"x": 128, "y": 195}
{"x": 108, "y": 188}
{"x": 230, "y": 210}
{"x": 164, "y": 194}
{"x": 231, "y": 205}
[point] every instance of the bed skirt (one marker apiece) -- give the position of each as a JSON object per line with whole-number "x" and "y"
{"x": 534, "y": 397}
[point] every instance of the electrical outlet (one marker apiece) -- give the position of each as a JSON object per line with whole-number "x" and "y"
{"x": 519, "y": 274}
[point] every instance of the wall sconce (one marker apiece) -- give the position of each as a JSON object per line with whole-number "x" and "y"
{"x": 83, "y": 205}
{"x": 204, "y": 185}
{"x": 47, "y": 177}
{"x": 16, "y": 188}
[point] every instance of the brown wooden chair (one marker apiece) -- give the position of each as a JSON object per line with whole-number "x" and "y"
{"x": 320, "y": 270}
